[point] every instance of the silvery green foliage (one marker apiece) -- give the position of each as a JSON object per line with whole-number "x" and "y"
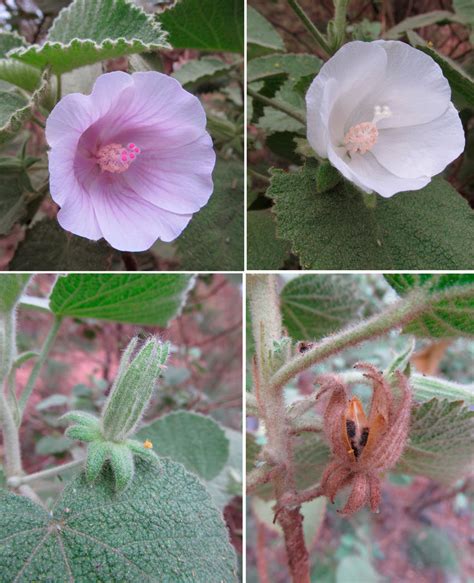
{"x": 130, "y": 394}
{"x": 11, "y": 288}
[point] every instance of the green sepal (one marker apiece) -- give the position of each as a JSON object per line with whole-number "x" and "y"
{"x": 82, "y": 418}
{"x": 132, "y": 389}
{"x": 97, "y": 454}
{"x": 122, "y": 464}
{"x": 85, "y": 433}
{"x": 141, "y": 451}
{"x": 326, "y": 177}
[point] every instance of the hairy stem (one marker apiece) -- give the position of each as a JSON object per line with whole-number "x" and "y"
{"x": 397, "y": 314}
{"x": 277, "y": 105}
{"x": 311, "y": 28}
{"x": 340, "y": 21}
{"x": 48, "y": 343}
{"x": 17, "y": 481}
{"x": 267, "y": 330}
{"x": 11, "y": 440}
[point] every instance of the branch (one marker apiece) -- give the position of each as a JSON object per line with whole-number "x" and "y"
{"x": 398, "y": 314}
{"x": 313, "y": 31}
{"x": 277, "y": 105}
{"x": 30, "y": 385}
{"x": 17, "y": 481}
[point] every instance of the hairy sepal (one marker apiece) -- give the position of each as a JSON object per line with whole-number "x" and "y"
{"x": 81, "y": 418}
{"x": 97, "y": 454}
{"x": 86, "y": 433}
{"x": 122, "y": 464}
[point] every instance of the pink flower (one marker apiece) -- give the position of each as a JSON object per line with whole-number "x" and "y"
{"x": 131, "y": 162}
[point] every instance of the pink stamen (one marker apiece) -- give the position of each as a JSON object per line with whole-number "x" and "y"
{"x": 115, "y": 158}
{"x": 131, "y": 146}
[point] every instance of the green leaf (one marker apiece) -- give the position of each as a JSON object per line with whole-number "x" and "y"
{"x": 15, "y": 109}
{"x": 274, "y": 120}
{"x": 207, "y": 25}
{"x": 10, "y": 40}
{"x": 198, "y": 442}
{"x": 261, "y": 33}
{"x": 264, "y": 249}
{"x": 464, "y": 10}
{"x": 336, "y": 230}
{"x": 356, "y": 568}
{"x": 461, "y": 83}
{"x": 314, "y": 306}
{"x": 11, "y": 288}
{"x": 214, "y": 240}
{"x": 365, "y": 30}
{"x": 294, "y": 66}
{"x": 149, "y": 299}
{"x": 164, "y": 527}
{"x": 432, "y": 548}
{"x": 19, "y": 74}
{"x": 56, "y": 400}
{"x": 420, "y": 20}
{"x": 48, "y": 247}
{"x": 90, "y": 31}
{"x": 200, "y": 70}
{"x": 449, "y": 317}
{"x": 15, "y": 191}
{"x": 426, "y": 387}
{"x": 229, "y": 481}
{"x": 50, "y": 445}
{"x": 440, "y": 445}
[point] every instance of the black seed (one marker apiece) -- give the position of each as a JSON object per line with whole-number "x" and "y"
{"x": 364, "y": 436}
{"x": 356, "y": 451}
{"x": 350, "y": 428}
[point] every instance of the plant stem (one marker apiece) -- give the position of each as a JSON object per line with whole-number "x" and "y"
{"x": 59, "y": 88}
{"x": 48, "y": 343}
{"x": 11, "y": 440}
{"x": 340, "y": 21}
{"x": 277, "y": 105}
{"x": 313, "y": 31}
{"x": 397, "y": 314}
{"x": 267, "y": 329}
{"x": 17, "y": 481}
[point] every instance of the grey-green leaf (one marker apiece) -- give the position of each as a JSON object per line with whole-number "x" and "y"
{"x": 336, "y": 229}
{"x": 261, "y": 33}
{"x": 207, "y": 25}
{"x": 88, "y": 31}
{"x": 440, "y": 445}
{"x": 196, "y": 441}
{"x": 164, "y": 527}
{"x": 294, "y": 66}
{"x": 152, "y": 299}
{"x": 214, "y": 240}
{"x": 452, "y": 312}
{"x": 316, "y": 305}
{"x": 264, "y": 249}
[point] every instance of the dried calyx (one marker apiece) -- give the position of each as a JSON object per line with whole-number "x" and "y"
{"x": 363, "y": 447}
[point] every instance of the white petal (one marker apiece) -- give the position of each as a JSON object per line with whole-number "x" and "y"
{"x": 414, "y": 87}
{"x": 422, "y": 149}
{"x": 350, "y": 76}
{"x": 375, "y": 177}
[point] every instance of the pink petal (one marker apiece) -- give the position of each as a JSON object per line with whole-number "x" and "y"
{"x": 130, "y": 223}
{"x": 71, "y": 116}
{"x": 77, "y": 215}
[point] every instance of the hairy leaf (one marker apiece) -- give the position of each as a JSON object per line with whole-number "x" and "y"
{"x": 452, "y": 313}
{"x": 313, "y": 306}
{"x": 10, "y": 40}
{"x": 196, "y": 441}
{"x": 261, "y": 33}
{"x": 15, "y": 189}
{"x": 207, "y": 25}
{"x": 274, "y": 120}
{"x": 441, "y": 444}
{"x": 164, "y": 527}
{"x": 295, "y": 66}
{"x": 200, "y": 70}
{"x": 228, "y": 483}
{"x": 264, "y": 249}
{"x": 420, "y": 20}
{"x": 214, "y": 240}
{"x": 337, "y": 230}
{"x": 11, "y": 288}
{"x": 151, "y": 299}
{"x": 88, "y": 31}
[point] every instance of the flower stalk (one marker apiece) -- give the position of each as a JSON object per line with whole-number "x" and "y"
{"x": 311, "y": 28}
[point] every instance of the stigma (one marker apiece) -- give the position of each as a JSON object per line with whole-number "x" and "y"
{"x": 362, "y": 137}
{"x": 116, "y": 158}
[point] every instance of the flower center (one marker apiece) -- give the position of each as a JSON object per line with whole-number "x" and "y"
{"x": 115, "y": 158}
{"x": 362, "y": 137}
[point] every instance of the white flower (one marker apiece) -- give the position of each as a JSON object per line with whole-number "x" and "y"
{"x": 382, "y": 113}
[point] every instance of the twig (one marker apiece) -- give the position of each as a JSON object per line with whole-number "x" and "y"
{"x": 17, "y": 481}
{"x": 277, "y": 105}
{"x": 313, "y": 31}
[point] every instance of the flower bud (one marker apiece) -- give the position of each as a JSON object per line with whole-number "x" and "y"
{"x": 132, "y": 389}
